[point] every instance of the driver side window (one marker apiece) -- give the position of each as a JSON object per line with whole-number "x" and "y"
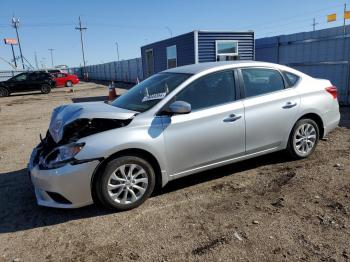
{"x": 21, "y": 77}
{"x": 210, "y": 90}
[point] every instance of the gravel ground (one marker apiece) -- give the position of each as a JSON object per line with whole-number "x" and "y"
{"x": 265, "y": 209}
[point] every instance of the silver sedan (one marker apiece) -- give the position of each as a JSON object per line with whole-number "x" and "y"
{"x": 176, "y": 123}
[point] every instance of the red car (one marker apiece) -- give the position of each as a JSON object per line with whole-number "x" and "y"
{"x": 63, "y": 79}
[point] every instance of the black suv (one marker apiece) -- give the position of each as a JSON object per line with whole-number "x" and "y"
{"x": 28, "y": 81}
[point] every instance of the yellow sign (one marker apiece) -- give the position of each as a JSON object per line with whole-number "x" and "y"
{"x": 347, "y": 15}
{"x": 331, "y": 17}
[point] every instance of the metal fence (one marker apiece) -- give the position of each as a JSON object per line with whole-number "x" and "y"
{"x": 4, "y": 75}
{"x": 322, "y": 54}
{"x": 124, "y": 71}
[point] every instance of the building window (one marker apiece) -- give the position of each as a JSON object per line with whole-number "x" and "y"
{"x": 226, "y": 50}
{"x": 149, "y": 62}
{"x": 171, "y": 56}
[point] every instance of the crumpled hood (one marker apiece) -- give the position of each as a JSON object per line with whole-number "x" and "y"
{"x": 65, "y": 114}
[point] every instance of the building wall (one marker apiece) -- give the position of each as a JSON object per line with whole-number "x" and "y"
{"x": 185, "y": 52}
{"x": 322, "y": 54}
{"x": 207, "y": 46}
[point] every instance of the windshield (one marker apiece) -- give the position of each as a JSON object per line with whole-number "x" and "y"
{"x": 149, "y": 92}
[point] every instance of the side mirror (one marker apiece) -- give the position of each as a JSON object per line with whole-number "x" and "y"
{"x": 178, "y": 107}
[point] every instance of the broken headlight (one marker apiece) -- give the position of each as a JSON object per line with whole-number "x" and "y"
{"x": 62, "y": 155}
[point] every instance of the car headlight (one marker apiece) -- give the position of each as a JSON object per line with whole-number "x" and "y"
{"x": 62, "y": 155}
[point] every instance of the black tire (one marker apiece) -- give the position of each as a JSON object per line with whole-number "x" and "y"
{"x": 69, "y": 84}
{"x": 103, "y": 178}
{"x": 291, "y": 147}
{"x": 45, "y": 89}
{"x": 4, "y": 92}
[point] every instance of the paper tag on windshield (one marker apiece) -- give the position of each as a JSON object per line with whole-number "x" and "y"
{"x": 157, "y": 96}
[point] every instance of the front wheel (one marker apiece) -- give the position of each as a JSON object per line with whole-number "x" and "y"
{"x": 4, "y": 92}
{"x": 303, "y": 138}
{"x": 45, "y": 89}
{"x": 125, "y": 183}
{"x": 69, "y": 84}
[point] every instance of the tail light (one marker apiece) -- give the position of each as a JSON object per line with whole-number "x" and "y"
{"x": 333, "y": 91}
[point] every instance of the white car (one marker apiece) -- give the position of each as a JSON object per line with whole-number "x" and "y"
{"x": 176, "y": 123}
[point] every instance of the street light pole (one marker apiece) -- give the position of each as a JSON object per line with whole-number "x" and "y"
{"x": 116, "y": 43}
{"x": 51, "y": 50}
{"x": 15, "y": 24}
{"x": 170, "y": 31}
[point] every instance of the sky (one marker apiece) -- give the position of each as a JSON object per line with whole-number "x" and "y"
{"x": 134, "y": 23}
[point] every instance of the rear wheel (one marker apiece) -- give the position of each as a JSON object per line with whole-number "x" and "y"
{"x": 45, "y": 89}
{"x": 125, "y": 183}
{"x": 4, "y": 92}
{"x": 303, "y": 138}
{"x": 69, "y": 84}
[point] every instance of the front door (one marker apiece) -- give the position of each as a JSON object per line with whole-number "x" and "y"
{"x": 18, "y": 82}
{"x": 212, "y": 133}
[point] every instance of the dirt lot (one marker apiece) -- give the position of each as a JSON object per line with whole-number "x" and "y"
{"x": 266, "y": 209}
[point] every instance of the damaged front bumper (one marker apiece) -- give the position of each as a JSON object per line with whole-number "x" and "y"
{"x": 66, "y": 187}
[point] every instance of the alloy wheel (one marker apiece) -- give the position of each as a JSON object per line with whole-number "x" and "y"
{"x": 3, "y": 92}
{"x": 305, "y": 138}
{"x": 127, "y": 184}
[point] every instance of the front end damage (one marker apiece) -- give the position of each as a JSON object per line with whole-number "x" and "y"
{"x": 55, "y": 172}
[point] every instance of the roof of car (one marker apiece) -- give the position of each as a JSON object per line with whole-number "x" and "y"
{"x": 200, "y": 67}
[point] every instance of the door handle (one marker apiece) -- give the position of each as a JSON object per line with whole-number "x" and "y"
{"x": 289, "y": 105}
{"x": 232, "y": 118}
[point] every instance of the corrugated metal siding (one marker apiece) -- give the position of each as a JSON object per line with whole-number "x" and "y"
{"x": 126, "y": 70}
{"x": 185, "y": 51}
{"x": 322, "y": 54}
{"x": 207, "y": 48}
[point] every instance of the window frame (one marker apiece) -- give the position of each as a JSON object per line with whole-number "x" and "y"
{"x": 236, "y": 87}
{"x": 225, "y": 54}
{"x": 167, "y": 58}
{"x": 242, "y": 86}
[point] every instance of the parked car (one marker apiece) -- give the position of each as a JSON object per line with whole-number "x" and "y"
{"x": 176, "y": 123}
{"x": 63, "y": 79}
{"x": 28, "y": 81}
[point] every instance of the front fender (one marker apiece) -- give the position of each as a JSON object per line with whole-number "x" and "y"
{"x": 147, "y": 138}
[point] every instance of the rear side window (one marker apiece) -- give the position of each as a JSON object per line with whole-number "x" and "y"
{"x": 291, "y": 78}
{"x": 259, "y": 81}
{"x": 210, "y": 90}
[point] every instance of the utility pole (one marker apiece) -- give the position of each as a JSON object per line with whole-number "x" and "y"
{"x": 116, "y": 43}
{"x": 344, "y": 24}
{"x": 81, "y": 29}
{"x": 36, "y": 60}
{"x": 14, "y": 57}
{"x": 15, "y": 24}
{"x": 314, "y": 24}
{"x": 51, "y": 50}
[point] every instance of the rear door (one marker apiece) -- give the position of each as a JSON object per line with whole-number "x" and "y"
{"x": 270, "y": 108}
{"x": 213, "y": 132}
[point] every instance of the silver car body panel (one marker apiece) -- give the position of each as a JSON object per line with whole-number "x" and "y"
{"x": 200, "y": 140}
